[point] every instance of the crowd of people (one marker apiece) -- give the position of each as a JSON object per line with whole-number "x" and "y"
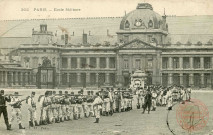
{"x": 59, "y": 107}
{"x": 152, "y": 96}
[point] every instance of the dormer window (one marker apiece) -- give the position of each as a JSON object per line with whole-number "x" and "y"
{"x": 127, "y": 24}
{"x": 150, "y": 24}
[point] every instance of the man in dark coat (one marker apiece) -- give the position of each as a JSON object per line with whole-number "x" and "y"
{"x": 3, "y": 108}
{"x": 148, "y": 101}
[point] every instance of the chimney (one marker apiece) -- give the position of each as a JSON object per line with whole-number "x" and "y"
{"x": 84, "y": 38}
{"x": 66, "y": 39}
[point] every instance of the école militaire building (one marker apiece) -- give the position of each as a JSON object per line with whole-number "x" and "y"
{"x": 90, "y": 52}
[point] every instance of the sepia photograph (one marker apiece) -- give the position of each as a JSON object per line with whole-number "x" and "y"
{"x": 106, "y": 67}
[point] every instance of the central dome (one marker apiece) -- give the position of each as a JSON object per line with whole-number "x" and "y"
{"x": 143, "y": 18}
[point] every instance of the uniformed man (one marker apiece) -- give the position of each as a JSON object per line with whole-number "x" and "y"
{"x": 154, "y": 98}
{"x": 50, "y": 118}
{"x": 112, "y": 101}
{"x": 3, "y": 107}
{"x": 59, "y": 106}
{"x": 66, "y": 112}
{"x": 45, "y": 103}
{"x": 169, "y": 99}
{"x": 148, "y": 101}
{"x": 106, "y": 105}
{"x": 84, "y": 105}
{"x": 97, "y": 106}
{"x": 74, "y": 108}
{"x": 79, "y": 104}
{"x": 54, "y": 107}
{"x": 16, "y": 110}
{"x": 32, "y": 110}
{"x": 90, "y": 100}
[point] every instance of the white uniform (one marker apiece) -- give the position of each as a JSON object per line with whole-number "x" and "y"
{"x": 32, "y": 109}
{"x": 97, "y": 106}
{"x": 16, "y": 111}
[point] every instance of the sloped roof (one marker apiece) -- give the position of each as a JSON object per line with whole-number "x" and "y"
{"x": 181, "y": 28}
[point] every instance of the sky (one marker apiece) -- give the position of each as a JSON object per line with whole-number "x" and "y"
{"x": 30, "y": 9}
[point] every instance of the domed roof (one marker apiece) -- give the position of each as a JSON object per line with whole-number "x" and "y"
{"x": 142, "y": 18}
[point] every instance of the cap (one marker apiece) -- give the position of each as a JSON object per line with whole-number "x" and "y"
{"x": 54, "y": 92}
{"x": 92, "y": 92}
{"x": 60, "y": 92}
{"x": 72, "y": 93}
{"x": 46, "y": 93}
{"x": 97, "y": 93}
{"x": 16, "y": 93}
{"x": 66, "y": 92}
{"x": 2, "y": 91}
{"x": 33, "y": 92}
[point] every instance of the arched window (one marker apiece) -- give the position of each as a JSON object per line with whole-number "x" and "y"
{"x": 127, "y": 24}
{"x": 150, "y": 24}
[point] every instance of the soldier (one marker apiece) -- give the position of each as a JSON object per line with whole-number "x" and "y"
{"x": 112, "y": 101}
{"x": 65, "y": 107}
{"x": 79, "y": 104}
{"x": 148, "y": 101}
{"x": 74, "y": 108}
{"x": 50, "y": 117}
{"x": 32, "y": 110}
{"x": 154, "y": 98}
{"x": 3, "y": 107}
{"x": 90, "y": 100}
{"x": 60, "y": 96}
{"x": 54, "y": 107}
{"x": 169, "y": 99}
{"x": 16, "y": 110}
{"x": 45, "y": 102}
{"x": 97, "y": 106}
{"x": 84, "y": 105}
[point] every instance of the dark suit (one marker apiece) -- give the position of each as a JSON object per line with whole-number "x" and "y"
{"x": 3, "y": 108}
{"x": 148, "y": 101}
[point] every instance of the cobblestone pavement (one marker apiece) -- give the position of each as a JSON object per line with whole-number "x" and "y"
{"x": 126, "y": 123}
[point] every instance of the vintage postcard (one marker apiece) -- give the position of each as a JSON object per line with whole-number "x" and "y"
{"x": 106, "y": 67}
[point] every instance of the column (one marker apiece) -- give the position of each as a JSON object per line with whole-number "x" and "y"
{"x": 202, "y": 79}
{"x": 68, "y": 78}
{"x": 191, "y": 80}
{"x": 88, "y": 62}
{"x": 181, "y": 79}
{"x": 21, "y": 79}
{"x": 87, "y": 78}
{"x": 98, "y": 62}
{"x": 170, "y": 63}
{"x": 97, "y": 78}
{"x": 107, "y": 62}
{"x": 6, "y": 78}
{"x": 191, "y": 62}
{"x": 69, "y": 63}
{"x": 107, "y": 78}
{"x": 181, "y": 62}
{"x": 211, "y": 62}
{"x": 202, "y": 62}
{"x": 170, "y": 81}
{"x": 1, "y": 76}
{"x": 78, "y": 63}
{"x": 11, "y": 78}
{"x": 78, "y": 78}
{"x": 26, "y": 78}
{"x": 15, "y": 78}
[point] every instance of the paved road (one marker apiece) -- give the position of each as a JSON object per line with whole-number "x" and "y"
{"x": 126, "y": 123}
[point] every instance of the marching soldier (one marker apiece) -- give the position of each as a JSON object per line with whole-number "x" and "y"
{"x": 32, "y": 110}
{"x": 97, "y": 107}
{"x": 3, "y": 108}
{"x": 16, "y": 110}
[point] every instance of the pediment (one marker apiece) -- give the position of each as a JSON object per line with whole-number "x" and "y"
{"x": 137, "y": 44}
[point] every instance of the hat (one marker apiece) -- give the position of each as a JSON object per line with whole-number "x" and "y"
{"x": 112, "y": 89}
{"x": 97, "y": 93}
{"x": 72, "y": 93}
{"x": 66, "y": 92}
{"x": 54, "y": 92}
{"x": 46, "y": 93}
{"x": 2, "y": 91}
{"x": 92, "y": 92}
{"x": 88, "y": 92}
{"x": 33, "y": 92}
{"x": 60, "y": 92}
